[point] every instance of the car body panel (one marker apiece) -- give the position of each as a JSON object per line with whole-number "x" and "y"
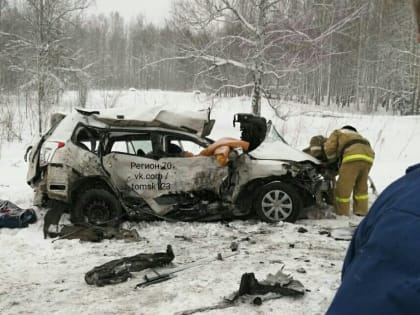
{"x": 274, "y": 147}
{"x": 248, "y": 169}
{"x": 68, "y": 164}
{"x": 278, "y": 150}
{"x": 32, "y": 158}
{"x": 149, "y": 178}
{"x": 67, "y": 125}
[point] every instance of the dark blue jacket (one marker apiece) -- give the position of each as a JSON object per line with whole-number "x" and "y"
{"x": 11, "y": 216}
{"x": 381, "y": 271}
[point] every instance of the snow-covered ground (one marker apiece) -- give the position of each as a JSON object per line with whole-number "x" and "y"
{"x": 39, "y": 277}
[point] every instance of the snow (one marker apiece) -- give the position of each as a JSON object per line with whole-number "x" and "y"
{"x": 41, "y": 277}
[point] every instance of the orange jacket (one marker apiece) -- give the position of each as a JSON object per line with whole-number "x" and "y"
{"x": 221, "y": 148}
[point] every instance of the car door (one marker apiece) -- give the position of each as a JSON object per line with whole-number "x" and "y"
{"x": 32, "y": 158}
{"x": 32, "y": 153}
{"x": 187, "y": 170}
{"x": 149, "y": 175}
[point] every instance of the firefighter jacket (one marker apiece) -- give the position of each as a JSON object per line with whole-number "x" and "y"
{"x": 316, "y": 147}
{"x": 346, "y": 146}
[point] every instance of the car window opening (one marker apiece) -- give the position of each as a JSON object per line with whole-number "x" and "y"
{"x": 87, "y": 139}
{"x": 182, "y": 147}
{"x": 139, "y": 144}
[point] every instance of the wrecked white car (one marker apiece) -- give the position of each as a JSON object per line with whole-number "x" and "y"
{"x": 102, "y": 166}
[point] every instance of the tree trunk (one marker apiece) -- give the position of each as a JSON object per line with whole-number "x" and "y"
{"x": 256, "y": 94}
{"x": 83, "y": 92}
{"x": 41, "y": 95}
{"x": 359, "y": 65}
{"x": 259, "y": 62}
{"x": 329, "y": 72}
{"x": 40, "y": 77}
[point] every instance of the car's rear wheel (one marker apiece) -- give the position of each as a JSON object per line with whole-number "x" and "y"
{"x": 97, "y": 206}
{"x": 278, "y": 202}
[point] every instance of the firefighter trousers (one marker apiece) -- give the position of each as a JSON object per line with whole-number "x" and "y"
{"x": 352, "y": 178}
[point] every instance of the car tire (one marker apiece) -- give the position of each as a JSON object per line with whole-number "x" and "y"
{"x": 276, "y": 202}
{"x": 98, "y": 207}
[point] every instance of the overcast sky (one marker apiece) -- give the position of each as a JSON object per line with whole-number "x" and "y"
{"x": 155, "y": 11}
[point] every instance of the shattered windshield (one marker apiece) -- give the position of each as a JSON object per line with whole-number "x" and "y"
{"x": 272, "y": 134}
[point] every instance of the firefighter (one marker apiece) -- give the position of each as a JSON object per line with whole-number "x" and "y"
{"x": 354, "y": 156}
{"x": 316, "y": 147}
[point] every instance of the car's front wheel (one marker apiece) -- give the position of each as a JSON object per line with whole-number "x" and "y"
{"x": 276, "y": 202}
{"x": 99, "y": 207}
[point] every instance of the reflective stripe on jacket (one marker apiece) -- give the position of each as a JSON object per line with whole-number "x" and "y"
{"x": 357, "y": 152}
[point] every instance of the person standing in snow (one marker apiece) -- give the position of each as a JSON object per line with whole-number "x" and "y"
{"x": 355, "y": 156}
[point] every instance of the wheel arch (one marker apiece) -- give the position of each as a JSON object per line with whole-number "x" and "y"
{"x": 284, "y": 205}
{"x": 88, "y": 182}
{"x": 249, "y": 192}
{"x": 89, "y": 185}
{"x": 246, "y": 196}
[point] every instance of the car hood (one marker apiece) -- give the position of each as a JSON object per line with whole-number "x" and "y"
{"x": 278, "y": 150}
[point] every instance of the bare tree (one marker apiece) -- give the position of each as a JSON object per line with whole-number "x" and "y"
{"x": 42, "y": 51}
{"x": 3, "y": 4}
{"x": 416, "y": 7}
{"x": 262, "y": 39}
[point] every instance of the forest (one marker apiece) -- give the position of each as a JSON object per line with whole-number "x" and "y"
{"x": 352, "y": 54}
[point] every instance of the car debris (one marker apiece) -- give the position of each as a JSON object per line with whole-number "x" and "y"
{"x": 273, "y": 287}
{"x": 301, "y": 229}
{"x": 80, "y": 232}
{"x": 278, "y": 283}
{"x": 184, "y": 238}
{"x": 301, "y": 270}
{"x": 257, "y": 301}
{"x": 160, "y": 276}
{"x": 234, "y": 246}
{"x": 325, "y": 232}
{"x": 101, "y": 166}
{"x": 343, "y": 233}
{"x": 276, "y": 261}
{"x": 52, "y": 218}
{"x": 91, "y": 233}
{"x": 119, "y": 270}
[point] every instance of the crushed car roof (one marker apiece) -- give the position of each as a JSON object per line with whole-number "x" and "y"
{"x": 196, "y": 122}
